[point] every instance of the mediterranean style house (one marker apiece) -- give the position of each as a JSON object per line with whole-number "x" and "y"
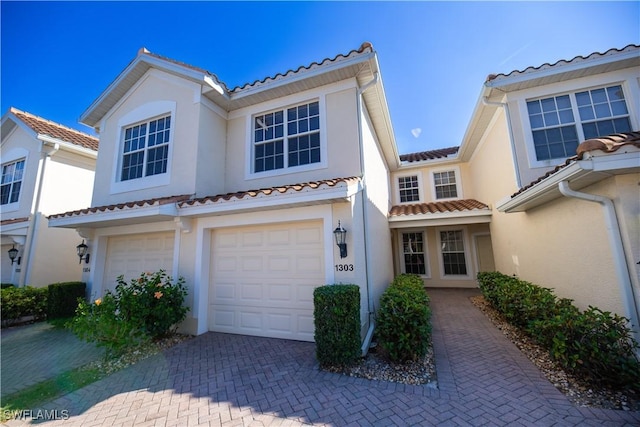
{"x": 46, "y": 168}
{"x": 246, "y": 192}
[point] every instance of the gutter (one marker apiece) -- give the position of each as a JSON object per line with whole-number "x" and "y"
{"x": 615, "y": 240}
{"x": 45, "y": 152}
{"x": 369, "y": 335}
{"x": 514, "y": 156}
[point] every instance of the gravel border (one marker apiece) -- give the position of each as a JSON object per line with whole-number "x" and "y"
{"x": 577, "y": 390}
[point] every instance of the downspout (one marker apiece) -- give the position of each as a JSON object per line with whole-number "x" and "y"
{"x": 619, "y": 259}
{"x": 369, "y": 335}
{"x": 45, "y": 153}
{"x": 514, "y": 156}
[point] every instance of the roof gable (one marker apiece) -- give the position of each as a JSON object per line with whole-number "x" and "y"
{"x": 41, "y": 126}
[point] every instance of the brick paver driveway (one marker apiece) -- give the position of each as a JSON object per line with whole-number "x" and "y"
{"x": 219, "y": 379}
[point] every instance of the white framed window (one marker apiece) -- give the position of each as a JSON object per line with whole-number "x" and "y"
{"x": 558, "y": 123}
{"x": 287, "y": 138}
{"x": 453, "y": 252}
{"x": 145, "y": 148}
{"x": 414, "y": 253}
{"x": 445, "y": 185}
{"x": 12, "y": 174}
{"x": 409, "y": 188}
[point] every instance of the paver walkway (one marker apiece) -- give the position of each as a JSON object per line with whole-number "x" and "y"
{"x": 220, "y": 379}
{"x": 33, "y": 353}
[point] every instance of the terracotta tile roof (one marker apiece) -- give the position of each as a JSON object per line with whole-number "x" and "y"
{"x": 292, "y": 188}
{"x": 593, "y": 55}
{"x": 606, "y": 144}
{"x": 6, "y": 222}
{"x": 609, "y": 144}
{"x": 144, "y": 51}
{"x": 186, "y": 200}
{"x": 364, "y": 47}
{"x": 55, "y": 130}
{"x": 438, "y": 207}
{"x": 429, "y": 155}
{"x": 121, "y": 206}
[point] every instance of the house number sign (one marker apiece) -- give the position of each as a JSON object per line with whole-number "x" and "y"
{"x": 344, "y": 267}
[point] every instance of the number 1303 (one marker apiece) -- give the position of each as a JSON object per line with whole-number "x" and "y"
{"x": 344, "y": 267}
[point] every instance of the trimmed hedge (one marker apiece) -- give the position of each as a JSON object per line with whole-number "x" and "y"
{"x": 595, "y": 344}
{"x": 63, "y": 299}
{"x": 404, "y": 319}
{"x": 16, "y": 303}
{"x": 337, "y": 324}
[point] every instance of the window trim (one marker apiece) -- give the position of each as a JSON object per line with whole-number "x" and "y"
{"x": 250, "y": 144}
{"x": 467, "y": 254}
{"x": 571, "y": 91}
{"x": 143, "y": 114}
{"x": 425, "y": 239}
{"x": 420, "y": 187}
{"x": 15, "y": 205}
{"x": 432, "y": 182}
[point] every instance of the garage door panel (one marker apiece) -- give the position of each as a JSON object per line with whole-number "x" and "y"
{"x": 132, "y": 255}
{"x": 263, "y": 279}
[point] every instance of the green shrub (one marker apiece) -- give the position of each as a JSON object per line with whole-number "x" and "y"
{"x": 152, "y": 302}
{"x": 409, "y": 280}
{"x": 597, "y": 345}
{"x": 145, "y": 308}
{"x": 101, "y": 323}
{"x": 62, "y": 299}
{"x": 6, "y": 285}
{"x": 22, "y": 302}
{"x": 337, "y": 324}
{"x": 403, "y": 321}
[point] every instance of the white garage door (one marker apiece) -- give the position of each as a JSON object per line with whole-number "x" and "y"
{"x": 133, "y": 255}
{"x": 263, "y": 279}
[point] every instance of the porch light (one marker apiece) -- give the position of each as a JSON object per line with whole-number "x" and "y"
{"x": 341, "y": 237}
{"x": 13, "y": 253}
{"x": 82, "y": 252}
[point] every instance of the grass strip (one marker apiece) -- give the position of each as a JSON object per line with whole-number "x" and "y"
{"x": 37, "y": 394}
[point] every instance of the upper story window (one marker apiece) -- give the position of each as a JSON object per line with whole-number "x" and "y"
{"x": 556, "y": 132}
{"x": 445, "y": 185}
{"x": 409, "y": 188}
{"x": 146, "y": 149}
{"x": 11, "y": 182}
{"x": 287, "y": 138}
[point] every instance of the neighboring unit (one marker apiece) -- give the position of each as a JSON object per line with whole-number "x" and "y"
{"x": 46, "y": 168}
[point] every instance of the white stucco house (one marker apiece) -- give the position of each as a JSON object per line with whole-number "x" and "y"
{"x": 46, "y": 168}
{"x": 240, "y": 190}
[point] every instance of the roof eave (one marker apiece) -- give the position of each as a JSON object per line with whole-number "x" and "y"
{"x": 138, "y": 215}
{"x": 581, "y": 173}
{"x": 476, "y": 216}
{"x": 106, "y": 101}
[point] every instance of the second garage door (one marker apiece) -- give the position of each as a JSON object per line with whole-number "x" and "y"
{"x": 263, "y": 279}
{"x": 133, "y": 255}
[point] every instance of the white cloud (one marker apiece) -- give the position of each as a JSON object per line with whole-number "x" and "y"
{"x": 416, "y": 132}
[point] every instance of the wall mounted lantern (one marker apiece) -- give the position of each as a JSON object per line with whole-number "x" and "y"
{"x": 341, "y": 237}
{"x": 82, "y": 252}
{"x": 13, "y": 253}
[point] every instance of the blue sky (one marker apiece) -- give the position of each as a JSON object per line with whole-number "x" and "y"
{"x": 57, "y": 57}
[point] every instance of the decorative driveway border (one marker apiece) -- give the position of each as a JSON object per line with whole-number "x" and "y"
{"x": 221, "y": 379}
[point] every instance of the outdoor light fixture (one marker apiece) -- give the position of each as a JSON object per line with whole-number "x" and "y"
{"x": 13, "y": 253}
{"x": 341, "y": 237}
{"x": 82, "y": 252}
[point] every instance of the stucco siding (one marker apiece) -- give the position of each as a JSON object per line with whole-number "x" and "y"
{"x": 156, "y": 94}
{"x": 562, "y": 245}
{"x": 378, "y": 235}
{"x": 210, "y": 161}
